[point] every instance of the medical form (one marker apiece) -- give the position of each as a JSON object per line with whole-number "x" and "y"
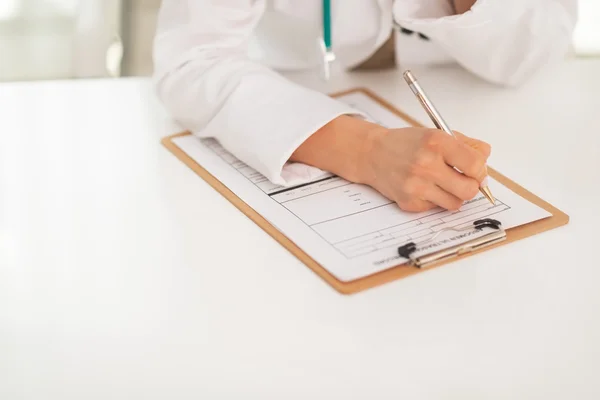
{"x": 350, "y": 229}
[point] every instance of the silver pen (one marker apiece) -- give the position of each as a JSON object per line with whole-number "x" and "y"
{"x": 439, "y": 122}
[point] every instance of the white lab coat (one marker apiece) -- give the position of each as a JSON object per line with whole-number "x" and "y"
{"x": 215, "y": 60}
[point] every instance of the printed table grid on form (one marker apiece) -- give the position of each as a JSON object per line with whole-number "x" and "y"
{"x": 355, "y": 218}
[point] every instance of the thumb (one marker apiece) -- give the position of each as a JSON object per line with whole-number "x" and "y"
{"x": 482, "y": 147}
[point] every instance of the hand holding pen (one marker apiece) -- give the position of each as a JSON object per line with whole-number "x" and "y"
{"x": 439, "y": 122}
{"x": 416, "y": 167}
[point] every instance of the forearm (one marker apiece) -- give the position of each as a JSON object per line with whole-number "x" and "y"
{"x": 341, "y": 147}
{"x": 523, "y": 35}
{"x": 462, "y": 6}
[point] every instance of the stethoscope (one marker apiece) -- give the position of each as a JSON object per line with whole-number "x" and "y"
{"x": 327, "y": 54}
{"x": 325, "y": 42}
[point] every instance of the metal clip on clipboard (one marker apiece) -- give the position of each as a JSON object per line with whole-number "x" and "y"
{"x": 496, "y": 234}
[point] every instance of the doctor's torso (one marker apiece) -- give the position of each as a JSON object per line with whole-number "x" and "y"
{"x": 287, "y": 35}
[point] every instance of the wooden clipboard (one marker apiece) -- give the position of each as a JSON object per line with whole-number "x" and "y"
{"x": 557, "y": 219}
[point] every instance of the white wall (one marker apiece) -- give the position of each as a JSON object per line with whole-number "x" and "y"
{"x": 587, "y": 34}
{"x": 56, "y": 39}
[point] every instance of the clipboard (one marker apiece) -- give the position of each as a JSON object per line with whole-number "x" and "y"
{"x": 557, "y": 218}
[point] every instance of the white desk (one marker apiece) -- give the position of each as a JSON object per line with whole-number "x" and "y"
{"x": 113, "y": 284}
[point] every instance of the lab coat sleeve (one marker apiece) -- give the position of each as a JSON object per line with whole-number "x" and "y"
{"x": 505, "y": 41}
{"x": 208, "y": 84}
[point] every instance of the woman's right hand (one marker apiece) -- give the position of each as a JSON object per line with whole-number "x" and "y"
{"x": 414, "y": 167}
{"x": 411, "y": 166}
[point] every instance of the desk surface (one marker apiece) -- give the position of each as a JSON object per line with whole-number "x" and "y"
{"x": 113, "y": 282}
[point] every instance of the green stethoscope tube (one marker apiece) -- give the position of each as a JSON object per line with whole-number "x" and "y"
{"x": 327, "y": 24}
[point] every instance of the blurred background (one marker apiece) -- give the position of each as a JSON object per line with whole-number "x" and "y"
{"x": 70, "y": 39}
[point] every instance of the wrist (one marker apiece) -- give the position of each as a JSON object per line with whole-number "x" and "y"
{"x": 368, "y": 156}
{"x": 345, "y": 146}
{"x": 462, "y": 6}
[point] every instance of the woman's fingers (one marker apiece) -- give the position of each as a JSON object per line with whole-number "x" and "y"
{"x": 482, "y": 147}
{"x": 417, "y": 167}
{"x": 455, "y": 183}
{"x": 458, "y": 154}
{"x": 442, "y": 198}
{"x": 415, "y": 205}
{"x": 421, "y": 194}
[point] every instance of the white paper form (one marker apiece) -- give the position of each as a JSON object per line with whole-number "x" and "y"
{"x": 349, "y": 229}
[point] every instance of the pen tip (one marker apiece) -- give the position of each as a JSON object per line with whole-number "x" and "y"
{"x": 488, "y": 194}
